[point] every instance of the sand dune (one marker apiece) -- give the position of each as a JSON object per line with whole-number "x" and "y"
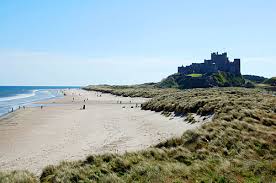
{"x": 33, "y": 138}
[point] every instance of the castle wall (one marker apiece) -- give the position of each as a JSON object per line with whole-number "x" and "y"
{"x": 198, "y": 68}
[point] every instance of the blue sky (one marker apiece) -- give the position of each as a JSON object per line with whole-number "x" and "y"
{"x": 70, "y": 42}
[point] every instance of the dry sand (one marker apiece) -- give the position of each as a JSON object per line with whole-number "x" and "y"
{"x": 34, "y": 138}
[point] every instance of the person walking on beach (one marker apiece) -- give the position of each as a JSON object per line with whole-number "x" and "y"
{"x": 12, "y": 109}
{"x": 41, "y": 107}
{"x": 83, "y": 107}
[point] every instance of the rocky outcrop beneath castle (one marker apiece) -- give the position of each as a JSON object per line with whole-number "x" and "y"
{"x": 219, "y": 79}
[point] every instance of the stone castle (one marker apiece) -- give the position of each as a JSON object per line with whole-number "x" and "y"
{"x": 218, "y": 62}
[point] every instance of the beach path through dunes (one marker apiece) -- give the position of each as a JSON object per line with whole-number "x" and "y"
{"x": 33, "y": 138}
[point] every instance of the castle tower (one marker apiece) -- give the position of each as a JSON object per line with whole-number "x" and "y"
{"x": 237, "y": 65}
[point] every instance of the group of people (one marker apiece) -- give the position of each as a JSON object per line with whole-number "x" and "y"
{"x": 19, "y": 107}
{"x": 83, "y": 107}
{"x": 99, "y": 95}
{"x": 120, "y": 102}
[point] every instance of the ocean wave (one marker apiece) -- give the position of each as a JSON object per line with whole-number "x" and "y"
{"x": 19, "y": 96}
{"x": 50, "y": 93}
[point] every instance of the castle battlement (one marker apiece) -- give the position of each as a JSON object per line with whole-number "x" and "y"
{"x": 218, "y": 62}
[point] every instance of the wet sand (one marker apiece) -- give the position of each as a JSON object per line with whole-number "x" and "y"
{"x": 34, "y": 138}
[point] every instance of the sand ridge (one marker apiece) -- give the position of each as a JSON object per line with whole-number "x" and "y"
{"x": 34, "y": 138}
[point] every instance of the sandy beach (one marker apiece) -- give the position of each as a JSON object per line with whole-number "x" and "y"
{"x": 34, "y": 138}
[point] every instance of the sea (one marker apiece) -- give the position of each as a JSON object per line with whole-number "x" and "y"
{"x": 13, "y": 97}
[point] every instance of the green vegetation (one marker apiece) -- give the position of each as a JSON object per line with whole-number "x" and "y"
{"x": 17, "y": 177}
{"x": 147, "y": 91}
{"x": 254, "y": 79}
{"x": 170, "y": 82}
{"x": 195, "y": 75}
{"x": 268, "y": 85}
{"x": 224, "y": 79}
{"x": 220, "y": 79}
{"x": 237, "y": 146}
{"x": 271, "y": 81}
{"x": 184, "y": 82}
{"x": 179, "y": 81}
{"x": 249, "y": 84}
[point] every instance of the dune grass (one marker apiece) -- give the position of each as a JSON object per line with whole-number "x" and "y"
{"x": 239, "y": 145}
{"x": 271, "y": 81}
{"x": 18, "y": 177}
{"x": 146, "y": 91}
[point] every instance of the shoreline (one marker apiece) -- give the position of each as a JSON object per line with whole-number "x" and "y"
{"x": 32, "y": 103}
{"x": 34, "y": 138}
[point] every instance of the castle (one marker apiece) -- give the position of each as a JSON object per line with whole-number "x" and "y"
{"x": 218, "y": 62}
